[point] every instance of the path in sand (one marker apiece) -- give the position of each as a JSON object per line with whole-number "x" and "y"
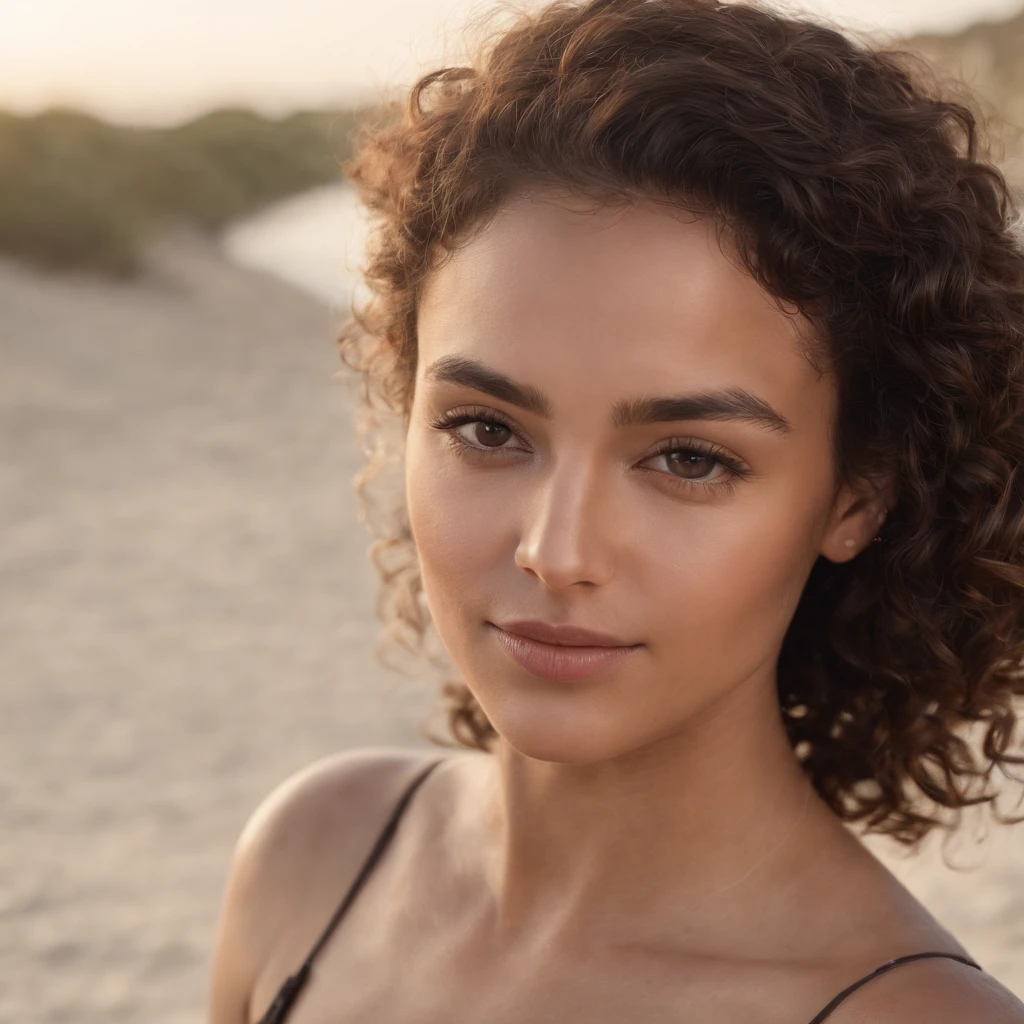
{"x": 186, "y": 617}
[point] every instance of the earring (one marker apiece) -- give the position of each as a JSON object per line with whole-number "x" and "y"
{"x": 878, "y": 538}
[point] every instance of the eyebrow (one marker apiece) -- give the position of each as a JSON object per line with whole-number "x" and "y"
{"x": 732, "y": 403}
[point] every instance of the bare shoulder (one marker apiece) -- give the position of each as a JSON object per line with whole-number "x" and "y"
{"x": 932, "y": 991}
{"x": 332, "y": 801}
{"x": 308, "y": 835}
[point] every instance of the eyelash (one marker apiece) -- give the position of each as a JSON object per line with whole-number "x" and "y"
{"x": 737, "y": 470}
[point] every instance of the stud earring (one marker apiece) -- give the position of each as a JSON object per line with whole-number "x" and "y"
{"x": 878, "y": 538}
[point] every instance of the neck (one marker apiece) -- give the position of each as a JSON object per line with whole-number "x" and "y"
{"x": 677, "y": 837}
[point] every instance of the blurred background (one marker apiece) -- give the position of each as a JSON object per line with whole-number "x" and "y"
{"x": 186, "y": 605}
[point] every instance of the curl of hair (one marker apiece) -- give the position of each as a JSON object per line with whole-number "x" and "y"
{"x": 857, "y": 192}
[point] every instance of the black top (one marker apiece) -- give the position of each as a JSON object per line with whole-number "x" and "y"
{"x": 279, "y": 1009}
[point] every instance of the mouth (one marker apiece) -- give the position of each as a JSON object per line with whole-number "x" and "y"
{"x": 560, "y": 661}
{"x": 562, "y": 635}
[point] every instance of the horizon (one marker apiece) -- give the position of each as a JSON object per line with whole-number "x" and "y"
{"x": 125, "y": 63}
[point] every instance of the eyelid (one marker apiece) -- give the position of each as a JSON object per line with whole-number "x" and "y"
{"x": 473, "y": 413}
{"x": 710, "y": 448}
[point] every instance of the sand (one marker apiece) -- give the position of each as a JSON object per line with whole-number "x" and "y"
{"x": 186, "y": 618}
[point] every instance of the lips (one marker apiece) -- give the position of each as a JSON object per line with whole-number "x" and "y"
{"x": 563, "y": 636}
{"x": 562, "y": 661}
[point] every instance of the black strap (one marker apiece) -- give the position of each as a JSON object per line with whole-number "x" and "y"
{"x": 278, "y": 1010}
{"x": 881, "y": 970}
{"x": 292, "y": 986}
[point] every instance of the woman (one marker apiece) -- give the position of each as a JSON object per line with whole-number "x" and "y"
{"x": 704, "y": 326}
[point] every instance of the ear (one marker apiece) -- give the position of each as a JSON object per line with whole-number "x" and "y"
{"x": 857, "y": 514}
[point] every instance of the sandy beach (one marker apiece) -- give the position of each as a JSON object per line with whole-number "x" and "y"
{"x": 186, "y": 617}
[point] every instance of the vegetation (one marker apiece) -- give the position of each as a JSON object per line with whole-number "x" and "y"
{"x": 76, "y": 191}
{"x": 989, "y": 57}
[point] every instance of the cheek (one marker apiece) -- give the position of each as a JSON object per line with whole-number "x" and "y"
{"x": 458, "y": 525}
{"x": 729, "y": 592}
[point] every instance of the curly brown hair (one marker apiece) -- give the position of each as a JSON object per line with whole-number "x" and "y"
{"x": 859, "y": 191}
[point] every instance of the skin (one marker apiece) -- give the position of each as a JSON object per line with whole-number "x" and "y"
{"x": 643, "y": 844}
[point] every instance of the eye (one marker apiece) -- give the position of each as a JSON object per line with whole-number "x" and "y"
{"x": 696, "y": 462}
{"x": 691, "y": 463}
{"x": 488, "y": 434}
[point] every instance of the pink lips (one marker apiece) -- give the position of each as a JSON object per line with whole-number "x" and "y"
{"x": 564, "y": 660}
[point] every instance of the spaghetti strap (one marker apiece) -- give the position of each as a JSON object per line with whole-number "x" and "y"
{"x": 278, "y": 1010}
{"x": 881, "y": 970}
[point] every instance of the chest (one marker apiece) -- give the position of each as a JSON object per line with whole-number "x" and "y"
{"x": 437, "y": 981}
{"x": 418, "y": 947}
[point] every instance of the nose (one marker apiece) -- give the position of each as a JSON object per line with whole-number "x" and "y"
{"x": 568, "y": 529}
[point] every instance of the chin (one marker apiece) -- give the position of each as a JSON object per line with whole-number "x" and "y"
{"x": 559, "y": 729}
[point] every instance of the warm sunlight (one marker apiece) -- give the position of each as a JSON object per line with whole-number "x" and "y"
{"x": 164, "y": 61}
{"x": 698, "y": 550}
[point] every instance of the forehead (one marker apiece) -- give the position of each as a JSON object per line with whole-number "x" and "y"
{"x": 625, "y": 298}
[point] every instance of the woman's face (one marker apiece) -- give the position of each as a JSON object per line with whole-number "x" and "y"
{"x": 595, "y": 497}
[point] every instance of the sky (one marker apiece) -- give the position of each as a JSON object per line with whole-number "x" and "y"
{"x": 161, "y": 61}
